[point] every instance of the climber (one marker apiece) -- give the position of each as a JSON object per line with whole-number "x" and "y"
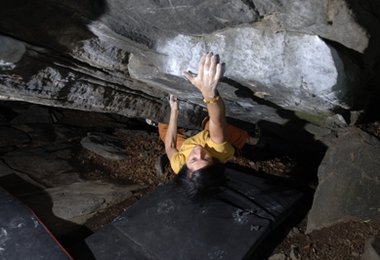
{"x": 198, "y": 160}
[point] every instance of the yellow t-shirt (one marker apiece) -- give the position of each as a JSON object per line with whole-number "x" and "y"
{"x": 223, "y": 152}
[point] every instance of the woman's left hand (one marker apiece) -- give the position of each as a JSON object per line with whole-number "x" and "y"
{"x": 209, "y": 74}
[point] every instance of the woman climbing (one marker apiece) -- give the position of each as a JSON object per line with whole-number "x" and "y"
{"x": 198, "y": 160}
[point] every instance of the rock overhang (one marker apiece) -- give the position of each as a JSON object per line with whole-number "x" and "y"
{"x": 275, "y": 57}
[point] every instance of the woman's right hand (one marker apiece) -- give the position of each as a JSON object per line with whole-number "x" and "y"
{"x": 209, "y": 74}
{"x": 173, "y": 102}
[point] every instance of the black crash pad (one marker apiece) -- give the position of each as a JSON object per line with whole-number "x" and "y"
{"x": 165, "y": 225}
{"x": 22, "y": 235}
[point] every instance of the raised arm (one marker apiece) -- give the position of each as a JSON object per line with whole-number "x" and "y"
{"x": 209, "y": 73}
{"x": 171, "y": 134}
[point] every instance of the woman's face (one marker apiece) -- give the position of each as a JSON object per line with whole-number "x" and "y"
{"x": 198, "y": 158}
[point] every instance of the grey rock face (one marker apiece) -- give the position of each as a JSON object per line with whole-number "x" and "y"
{"x": 85, "y": 199}
{"x": 146, "y": 21}
{"x": 5, "y": 170}
{"x": 372, "y": 248}
{"x": 125, "y": 56}
{"x": 11, "y": 51}
{"x": 323, "y": 18}
{"x": 349, "y": 184}
{"x": 281, "y": 65}
{"x": 75, "y": 203}
{"x": 34, "y": 115}
{"x": 45, "y": 175}
{"x": 44, "y": 164}
{"x": 11, "y": 136}
{"x": 104, "y": 145}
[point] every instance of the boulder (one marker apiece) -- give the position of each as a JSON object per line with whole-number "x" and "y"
{"x": 77, "y": 202}
{"x": 65, "y": 207}
{"x": 372, "y": 248}
{"x": 49, "y": 166}
{"x": 104, "y": 145}
{"x": 124, "y": 57}
{"x": 11, "y": 51}
{"x": 349, "y": 183}
{"x": 279, "y": 65}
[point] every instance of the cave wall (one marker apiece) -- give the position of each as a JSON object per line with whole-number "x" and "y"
{"x": 313, "y": 58}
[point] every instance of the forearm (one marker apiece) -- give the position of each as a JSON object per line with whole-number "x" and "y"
{"x": 209, "y": 73}
{"x": 171, "y": 134}
{"x": 217, "y": 114}
{"x": 216, "y": 108}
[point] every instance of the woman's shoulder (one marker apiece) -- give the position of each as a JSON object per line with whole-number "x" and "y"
{"x": 177, "y": 161}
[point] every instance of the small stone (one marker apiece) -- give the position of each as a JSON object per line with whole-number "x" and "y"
{"x": 294, "y": 231}
{"x": 317, "y": 131}
{"x": 355, "y": 254}
{"x": 278, "y": 256}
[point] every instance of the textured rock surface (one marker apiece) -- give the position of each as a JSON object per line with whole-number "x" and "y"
{"x": 104, "y": 145}
{"x": 11, "y": 52}
{"x": 77, "y": 202}
{"x": 372, "y": 249}
{"x": 125, "y": 56}
{"x": 44, "y": 165}
{"x": 5, "y": 170}
{"x": 349, "y": 184}
{"x": 68, "y": 127}
{"x": 312, "y": 59}
{"x": 281, "y": 65}
{"x": 37, "y": 163}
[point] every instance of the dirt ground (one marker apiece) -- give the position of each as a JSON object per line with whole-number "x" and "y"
{"x": 342, "y": 241}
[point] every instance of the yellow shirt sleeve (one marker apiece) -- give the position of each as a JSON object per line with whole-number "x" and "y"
{"x": 177, "y": 161}
{"x": 223, "y": 152}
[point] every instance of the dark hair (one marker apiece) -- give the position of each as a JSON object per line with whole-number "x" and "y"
{"x": 203, "y": 182}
